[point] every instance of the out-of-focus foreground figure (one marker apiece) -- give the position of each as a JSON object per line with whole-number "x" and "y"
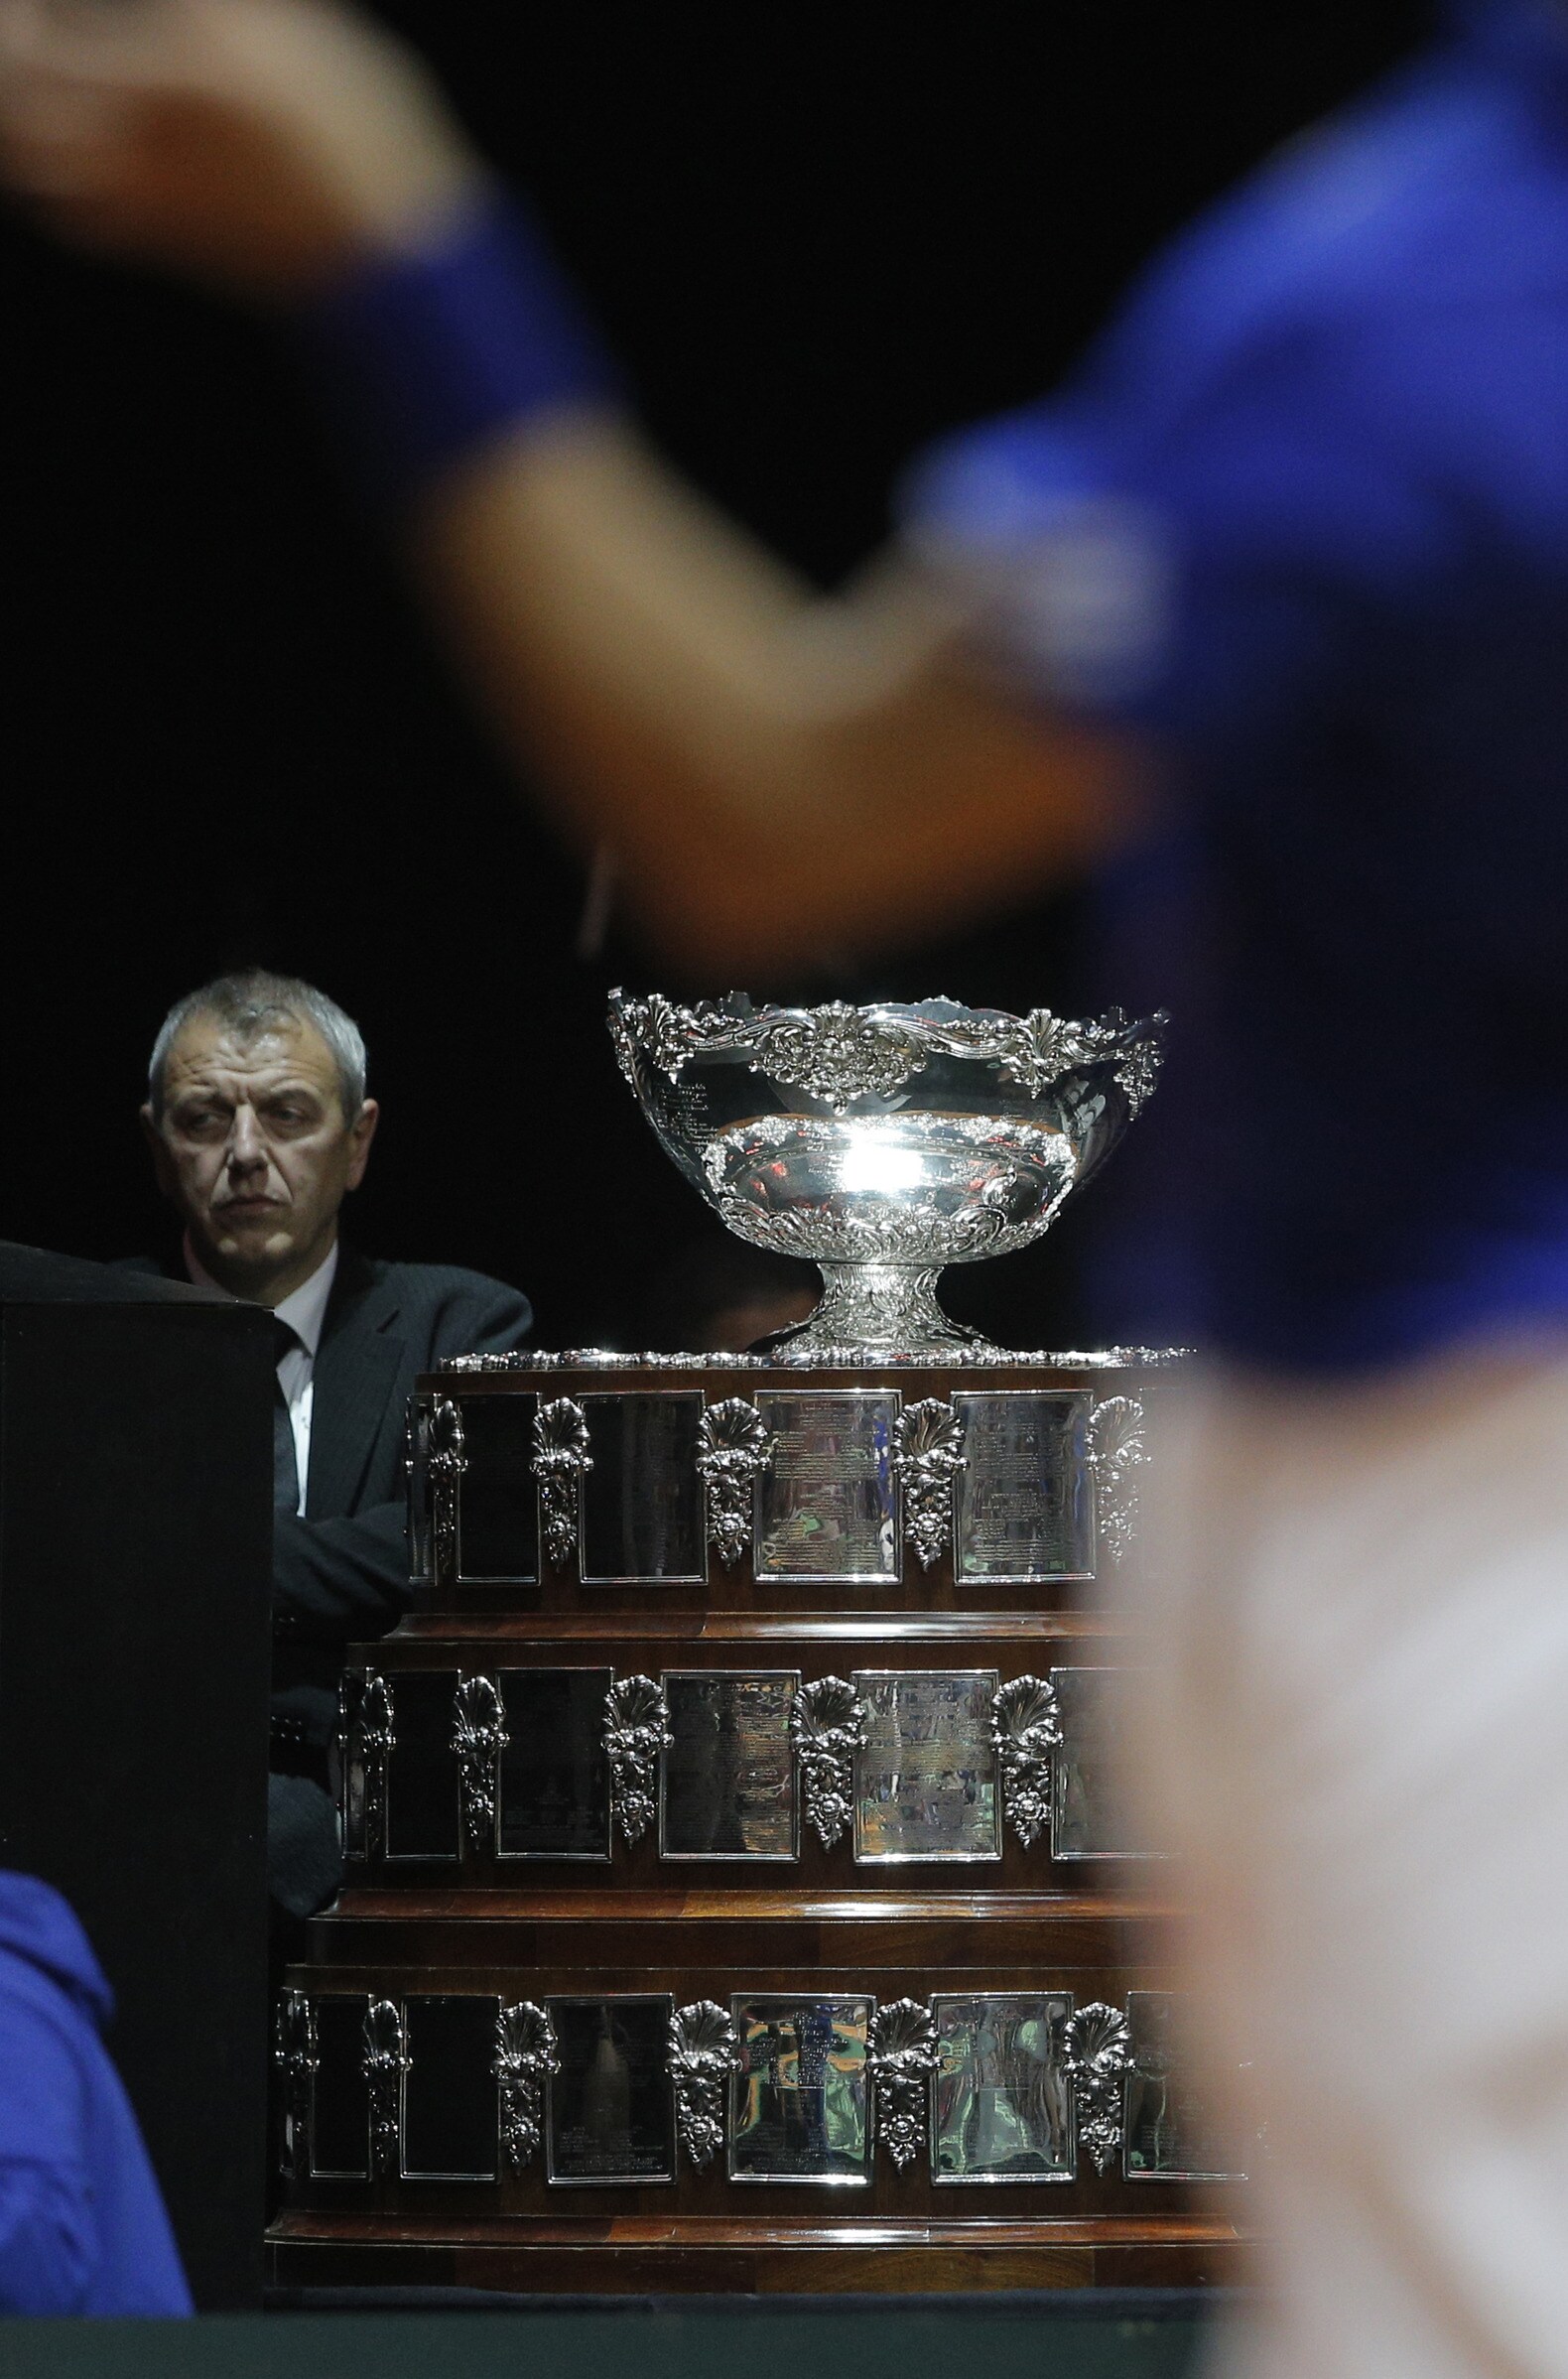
{"x": 1300, "y": 532}
{"x": 82, "y": 2227}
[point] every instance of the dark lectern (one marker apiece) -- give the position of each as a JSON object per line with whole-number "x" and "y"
{"x": 135, "y": 1561}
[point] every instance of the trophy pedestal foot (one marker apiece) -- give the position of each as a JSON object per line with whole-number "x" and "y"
{"x": 868, "y": 1309}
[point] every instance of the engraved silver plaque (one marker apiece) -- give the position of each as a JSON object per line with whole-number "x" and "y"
{"x": 925, "y": 1778}
{"x": 800, "y": 2103}
{"x": 727, "y": 1781}
{"x": 499, "y": 1497}
{"x": 448, "y": 2129}
{"x": 555, "y": 1770}
{"x": 1022, "y": 1507}
{"x": 340, "y": 2116}
{"x": 610, "y": 2116}
{"x": 825, "y": 1510}
{"x": 642, "y": 1519}
{"x": 423, "y": 1773}
{"x": 1172, "y": 2131}
{"x": 1090, "y": 1813}
{"x": 1001, "y": 2109}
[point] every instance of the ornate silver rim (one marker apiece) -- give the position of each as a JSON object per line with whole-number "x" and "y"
{"x": 840, "y": 1054}
{"x": 828, "y": 1359}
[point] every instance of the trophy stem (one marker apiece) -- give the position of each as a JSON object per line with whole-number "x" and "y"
{"x": 876, "y": 1305}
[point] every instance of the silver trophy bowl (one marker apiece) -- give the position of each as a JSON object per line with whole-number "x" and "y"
{"x": 883, "y": 1142}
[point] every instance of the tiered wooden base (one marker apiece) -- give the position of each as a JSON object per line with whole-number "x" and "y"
{"x": 477, "y": 1925}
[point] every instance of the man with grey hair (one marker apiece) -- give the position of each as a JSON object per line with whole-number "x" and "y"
{"x": 259, "y": 1127}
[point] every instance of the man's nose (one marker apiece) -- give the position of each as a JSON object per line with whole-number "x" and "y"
{"x": 247, "y": 1146}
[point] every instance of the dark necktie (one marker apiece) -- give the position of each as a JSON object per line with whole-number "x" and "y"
{"x": 285, "y": 1470}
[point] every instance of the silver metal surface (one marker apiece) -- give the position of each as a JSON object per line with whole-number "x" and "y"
{"x": 444, "y": 1464}
{"x": 1097, "y": 2060}
{"x": 1172, "y": 2133}
{"x": 478, "y": 1738}
{"x": 564, "y": 1745}
{"x": 416, "y": 1459}
{"x": 561, "y": 1461}
{"x": 927, "y": 1454}
{"x": 526, "y": 2056}
{"x": 850, "y": 1357}
{"x": 377, "y": 1740}
{"x": 826, "y": 1508}
{"x": 1022, "y": 1507}
{"x": 1118, "y": 1451}
{"x": 610, "y": 2090}
{"x": 646, "y": 1526}
{"x": 636, "y": 1731}
{"x": 1025, "y": 1730}
{"x": 902, "y": 2058}
{"x": 925, "y": 1777}
{"x": 385, "y": 2063}
{"x": 882, "y": 1142}
{"x": 827, "y": 1727}
{"x": 800, "y": 2101}
{"x": 727, "y": 1780}
{"x": 415, "y": 2045}
{"x": 735, "y": 1446}
{"x": 1092, "y": 1812}
{"x": 294, "y": 2054}
{"x": 1002, "y": 2106}
{"x": 704, "y": 2054}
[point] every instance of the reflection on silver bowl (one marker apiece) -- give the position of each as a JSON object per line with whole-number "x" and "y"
{"x": 882, "y": 1142}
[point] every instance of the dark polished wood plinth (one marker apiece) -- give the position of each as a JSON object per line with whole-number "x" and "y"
{"x": 441, "y": 1914}
{"x": 646, "y": 2255}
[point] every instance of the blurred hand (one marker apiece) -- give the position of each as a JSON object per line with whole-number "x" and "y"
{"x": 258, "y": 145}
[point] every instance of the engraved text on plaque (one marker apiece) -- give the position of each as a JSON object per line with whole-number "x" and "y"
{"x": 1021, "y": 1502}
{"x": 925, "y": 1780}
{"x": 825, "y": 1507}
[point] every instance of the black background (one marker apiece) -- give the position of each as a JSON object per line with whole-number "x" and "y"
{"x": 816, "y": 237}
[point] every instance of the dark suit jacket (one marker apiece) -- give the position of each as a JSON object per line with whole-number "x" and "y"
{"x": 341, "y": 1573}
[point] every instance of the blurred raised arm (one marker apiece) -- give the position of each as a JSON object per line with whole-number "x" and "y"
{"x": 778, "y": 774}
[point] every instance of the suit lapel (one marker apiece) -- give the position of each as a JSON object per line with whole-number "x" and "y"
{"x": 356, "y": 1369}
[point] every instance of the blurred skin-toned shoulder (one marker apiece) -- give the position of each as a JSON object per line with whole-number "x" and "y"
{"x": 777, "y": 774}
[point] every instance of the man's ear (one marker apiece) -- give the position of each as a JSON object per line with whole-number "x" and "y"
{"x": 162, "y": 1166}
{"x": 361, "y": 1131}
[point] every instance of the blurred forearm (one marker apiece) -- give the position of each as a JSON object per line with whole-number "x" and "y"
{"x": 778, "y": 773}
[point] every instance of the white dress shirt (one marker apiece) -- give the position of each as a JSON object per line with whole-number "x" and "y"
{"x": 305, "y": 1310}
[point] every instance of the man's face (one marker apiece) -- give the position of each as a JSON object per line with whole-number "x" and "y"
{"x": 254, "y": 1149}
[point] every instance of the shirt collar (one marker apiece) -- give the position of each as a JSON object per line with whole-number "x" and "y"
{"x": 303, "y": 1308}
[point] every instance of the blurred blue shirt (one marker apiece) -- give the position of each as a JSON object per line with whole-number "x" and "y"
{"x": 82, "y": 2227}
{"x": 1305, "y": 515}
